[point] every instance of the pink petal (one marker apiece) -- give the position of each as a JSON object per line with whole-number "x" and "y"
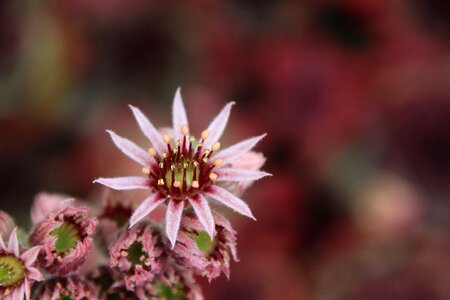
{"x": 2, "y": 244}
{"x": 146, "y": 207}
{"x": 35, "y": 274}
{"x": 173, "y": 219}
{"x": 238, "y": 149}
{"x": 27, "y": 290}
{"x": 204, "y": 215}
{"x": 179, "y": 117}
{"x": 230, "y": 174}
{"x": 18, "y": 292}
{"x": 230, "y": 200}
{"x": 149, "y": 130}
{"x": 13, "y": 244}
{"x": 29, "y": 256}
{"x": 125, "y": 183}
{"x": 218, "y": 125}
{"x": 131, "y": 150}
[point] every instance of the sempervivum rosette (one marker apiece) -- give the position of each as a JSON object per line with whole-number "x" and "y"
{"x": 66, "y": 238}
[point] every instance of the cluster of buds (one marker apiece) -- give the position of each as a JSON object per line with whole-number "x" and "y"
{"x": 73, "y": 253}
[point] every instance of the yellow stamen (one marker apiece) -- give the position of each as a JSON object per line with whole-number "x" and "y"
{"x": 195, "y": 184}
{"x": 216, "y": 146}
{"x": 218, "y": 162}
{"x": 167, "y": 139}
{"x": 176, "y": 184}
{"x": 212, "y": 176}
{"x": 204, "y": 134}
{"x": 161, "y": 181}
{"x": 152, "y": 152}
{"x": 205, "y": 160}
{"x": 184, "y": 130}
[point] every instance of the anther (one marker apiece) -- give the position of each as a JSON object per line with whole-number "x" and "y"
{"x": 216, "y": 146}
{"x": 205, "y": 160}
{"x": 161, "y": 165}
{"x": 172, "y": 167}
{"x": 212, "y": 176}
{"x": 167, "y": 139}
{"x": 164, "y": 154}
{"x": 195, "y": 164}
{"x": 195, "y": 184}
{"x": 161, "y": 181}
{"x": 152, "y": 152}
{"x": 218, "y": 162}
{"x": 146, "y": 171}
{"x": 204, "y": 134}
{"x": 207, "y": 151}
{"x": 184, "y": 130}
{"x": 176, "y": 184}
{"x": 192, "y": 139}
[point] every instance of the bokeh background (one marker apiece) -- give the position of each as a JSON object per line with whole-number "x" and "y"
{"x": 354, "y": 96}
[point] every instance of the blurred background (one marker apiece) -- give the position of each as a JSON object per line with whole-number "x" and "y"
{"x": 354, "y": 96}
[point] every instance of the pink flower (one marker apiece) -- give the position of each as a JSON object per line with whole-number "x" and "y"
{"x": 66, "y": 237}
{"x": 7, "y": 225}
{"x": 137, "y": 254}
{"x": 69, "y": 287}
{"x": 17, "y": 271}
{"x": 208, "y": 258}
{"x": 182, "y": 171}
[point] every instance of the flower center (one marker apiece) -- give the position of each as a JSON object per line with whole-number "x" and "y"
{"x": 135, "y": 253}
{"x": 66, "y": 297}
{"x": 204, "y": 242}
{"x": 67, "y": 237}
{"x": 12, "y": 270}
{"x": 185, "y": 169}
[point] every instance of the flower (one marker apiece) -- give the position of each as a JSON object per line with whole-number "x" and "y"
{"x": 209, "y": 258}
{"x": 66, "y": 237}
{"x": 7, "y": 225}
{"x": 182, "y": 171}
{"x": 70, "y": 287}
{"x": 17, "y": 271}
{"x": 137, "y": 254}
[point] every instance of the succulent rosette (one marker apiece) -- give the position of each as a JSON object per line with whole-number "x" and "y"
{"x": 138, "y": 255}
{"x": 17, "y": 269}
{"x": 182, "y": 171}
{"x": 70, "y": 287}
{"x": 110, "y": 284}
{"x": 195, "y": 250}
{"x": 66, "y": 238}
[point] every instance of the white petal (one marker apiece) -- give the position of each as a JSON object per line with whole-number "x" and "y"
{"x": 149, "y": 130}
{"x": 230, "y": 200}
{"x": 13, "y": 244}
{"x": 238, "y": 149}
{"x": 218, "y": 125}
{"x": 230, "y": 174}
{"x": 179, "y": 116}
{"x": 131, "y": 150}
{"x": 125, "y": 183}
{"x": 173, "y": 219}
{"x": 146, "y": 207}
{"x": 204, "y": 215}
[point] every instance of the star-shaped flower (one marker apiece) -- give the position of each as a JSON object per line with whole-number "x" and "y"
{"x": 182, "y": 170}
